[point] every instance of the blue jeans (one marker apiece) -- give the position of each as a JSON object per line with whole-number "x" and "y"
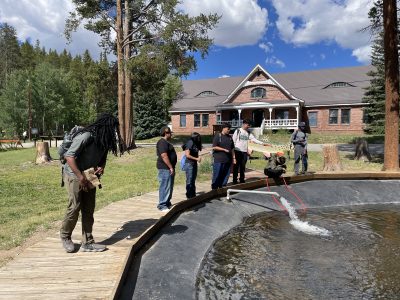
{"x": 191, "y": 174}
{"x": 221, "y": 172}
{"x": 166, "y": 181}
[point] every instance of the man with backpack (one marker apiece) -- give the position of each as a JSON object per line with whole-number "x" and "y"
{"x": 241, "y": 139}
{"x": 299, "y": 140}
{"x": 88, "y": 149}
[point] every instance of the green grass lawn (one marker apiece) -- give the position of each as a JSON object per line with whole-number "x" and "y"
{"x": 31, "y": 197}
{"x": 283, "y": 137}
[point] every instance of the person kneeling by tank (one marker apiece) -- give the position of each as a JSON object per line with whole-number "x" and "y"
{"x": 275, "y": 165}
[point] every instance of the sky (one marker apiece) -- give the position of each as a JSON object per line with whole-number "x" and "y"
{"x": 280, "y": 35}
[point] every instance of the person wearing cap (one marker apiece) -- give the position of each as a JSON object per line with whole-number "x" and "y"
{"x": 299, "y": 140}
{"x": 241, "y": 138}
{"x": 224, "y": 156}
{"x": 166, "y": 162}
{"x": 276, "y": 164}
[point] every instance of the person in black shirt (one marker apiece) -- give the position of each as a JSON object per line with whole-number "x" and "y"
{"x": 224, "y": 155}
{"x": 192, "y": 148}
{"x": 166, "y": 161}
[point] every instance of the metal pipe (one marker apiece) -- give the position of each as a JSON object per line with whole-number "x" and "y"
{"x": 249, "y": 192}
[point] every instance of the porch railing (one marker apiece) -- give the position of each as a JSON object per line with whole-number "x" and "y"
{"x": 267, "y": 124}
{"x": 279, "y": 123}
{"x": 233, "y": 123}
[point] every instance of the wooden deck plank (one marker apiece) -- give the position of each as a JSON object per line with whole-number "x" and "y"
{"x": 45, "y": 271}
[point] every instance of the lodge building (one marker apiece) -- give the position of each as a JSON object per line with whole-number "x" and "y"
{"x": 328, "y": 100}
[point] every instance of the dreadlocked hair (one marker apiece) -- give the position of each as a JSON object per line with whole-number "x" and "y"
{"x": 105, "y": 131}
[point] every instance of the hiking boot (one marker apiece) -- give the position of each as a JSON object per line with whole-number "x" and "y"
{"x": 68, "y": 245}
{"x": 92, "y": 247}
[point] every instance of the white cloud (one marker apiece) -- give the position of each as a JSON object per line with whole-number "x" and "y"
{"x": 243, "y": 22}
{"x": 273, "y": 60}
{"x": 224, "y": 76}
{"x": 267, "y": 47}
{"x": 44, "y": 20}
{"x": 312, "y": 21}
{"x": 363, "y": 54}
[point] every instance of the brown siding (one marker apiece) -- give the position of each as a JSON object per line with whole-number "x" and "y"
{"x": 356, "y": 122}
{"x": 273, "y": 94}
{"x": 175, "y": 118}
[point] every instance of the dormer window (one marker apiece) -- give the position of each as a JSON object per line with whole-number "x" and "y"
{"x": 258, "y": 93}
{"x": 338, "y": 84}
{"x": 207, "y": 94}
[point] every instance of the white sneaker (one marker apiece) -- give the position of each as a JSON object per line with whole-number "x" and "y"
{"x": 165, "y": 210}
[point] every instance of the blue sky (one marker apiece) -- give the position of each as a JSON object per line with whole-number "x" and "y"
{"x": 280, "y": 35}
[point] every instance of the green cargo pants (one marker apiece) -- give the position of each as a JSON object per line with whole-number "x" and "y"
{"x": 79, "y": 201}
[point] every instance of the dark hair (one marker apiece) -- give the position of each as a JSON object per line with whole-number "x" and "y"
{"x": 246, "y": 121}
{"x": 226, "y": 125}
{"x": 105, "y": 131}
{"x": 196, "y": 138}
{"x": 164, "y": 130}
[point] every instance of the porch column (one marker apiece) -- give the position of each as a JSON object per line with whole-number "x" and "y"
{"x": 270, "y": 116}
{"x": 298, "y": 115}
{"x": 239, "y": 112}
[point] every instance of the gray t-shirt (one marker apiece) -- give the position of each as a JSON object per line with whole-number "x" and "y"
{"x": 86, "y": 153}
{"x": 299, "y": 138}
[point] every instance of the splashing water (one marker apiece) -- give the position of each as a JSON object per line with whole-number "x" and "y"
{"x": 302, "y": 225}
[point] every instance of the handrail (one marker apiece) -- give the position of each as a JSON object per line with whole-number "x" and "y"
{"x": 249, "y": 192}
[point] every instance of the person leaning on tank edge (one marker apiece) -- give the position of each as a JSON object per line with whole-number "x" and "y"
{"x": 299, "y": 140}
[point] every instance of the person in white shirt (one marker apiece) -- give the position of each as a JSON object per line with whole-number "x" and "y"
{"x": 241, "y": 139}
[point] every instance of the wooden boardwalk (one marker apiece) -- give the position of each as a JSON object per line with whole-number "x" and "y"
{"x": 46, "y": 271}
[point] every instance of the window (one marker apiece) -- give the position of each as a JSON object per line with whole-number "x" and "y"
{"x": 258, "y": 93}
{"x": 206, "y": 94}
{"x": 204, "y": 120}
{"x": 365, "y": 118}
{"x": 345, "y": 116}
{"x": 219, "y": 118}
{"x": 196, "y": 120}
{"x": 333, "y": 116}
{"x": 182, "y": 120}
{"x": 313, "y": 118}
{"x": 338, "y": 84}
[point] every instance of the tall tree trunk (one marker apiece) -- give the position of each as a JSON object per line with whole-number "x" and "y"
{"x": 391, "y": 160}
{"x": 129, "y": 137}
{"x": 121, "y": 77}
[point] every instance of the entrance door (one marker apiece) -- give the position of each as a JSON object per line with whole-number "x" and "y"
{"x": 258, "y": 117}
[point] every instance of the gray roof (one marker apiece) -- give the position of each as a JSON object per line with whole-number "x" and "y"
{"x": 191, "y": 88}
{"x": 308, "y": 86}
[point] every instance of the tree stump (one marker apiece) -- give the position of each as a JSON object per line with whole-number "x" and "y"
{"x": 331, "y": 158}
{"x": 42, "y": 153}
{"x": 362, "y": 150}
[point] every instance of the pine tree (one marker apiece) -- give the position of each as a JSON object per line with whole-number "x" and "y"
{"x": 149, "y": 117}
{"x": 375, "y": 93}
{"x": 10, "y": 56}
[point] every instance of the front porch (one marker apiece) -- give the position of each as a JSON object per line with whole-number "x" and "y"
{"x": 263, "y": 115}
